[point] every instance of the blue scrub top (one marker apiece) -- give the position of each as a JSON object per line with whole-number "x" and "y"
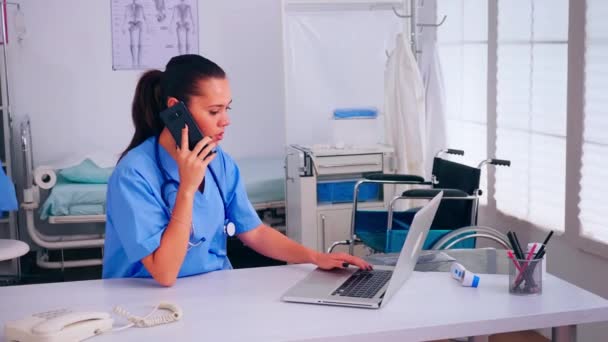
{"x": 137, "y": 215}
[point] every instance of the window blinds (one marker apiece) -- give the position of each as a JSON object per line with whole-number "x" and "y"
{"x": 594, "y": 180}
{"x": 531, "y": 110}
{"x": 463, "y": 50}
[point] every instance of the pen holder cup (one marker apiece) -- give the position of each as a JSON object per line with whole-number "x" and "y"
{"x": 526, "y": 276}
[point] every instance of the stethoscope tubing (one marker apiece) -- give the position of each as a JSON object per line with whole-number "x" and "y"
{"x": 167, "y": 180}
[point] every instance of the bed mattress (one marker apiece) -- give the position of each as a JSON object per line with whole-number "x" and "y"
{"x": 264, "y": 180}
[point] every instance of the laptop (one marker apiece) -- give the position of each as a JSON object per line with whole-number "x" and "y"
{"x": 367, "y": 289}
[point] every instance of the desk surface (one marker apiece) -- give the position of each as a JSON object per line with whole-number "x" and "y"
{"x": 244, "y": 305}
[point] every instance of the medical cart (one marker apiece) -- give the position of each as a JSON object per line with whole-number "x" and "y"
{"x": 319, "y": 191}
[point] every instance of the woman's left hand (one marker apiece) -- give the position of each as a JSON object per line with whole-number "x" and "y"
{"x": 327, "y": 261}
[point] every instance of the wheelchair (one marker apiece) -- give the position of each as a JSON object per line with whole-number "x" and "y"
{"x": 386, "y": 231}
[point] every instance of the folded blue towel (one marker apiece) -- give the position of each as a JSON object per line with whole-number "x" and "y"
{"x": 355, "y": 113}
{"x": 87, "y": 172}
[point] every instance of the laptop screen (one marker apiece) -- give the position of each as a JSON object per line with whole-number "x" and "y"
{"x": 412, "y": 246}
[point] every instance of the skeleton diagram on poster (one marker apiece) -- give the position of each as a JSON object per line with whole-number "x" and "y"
{"x": 147, "y": 33}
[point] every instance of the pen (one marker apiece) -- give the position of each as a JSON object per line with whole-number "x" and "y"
{"x": 523, "y": 271}
{"x": 539, "y": 255}
{"x": 512, "y": 257}
{"x": 512, "y": 242}
{"x": 518, "y": 246}
{"x": 541, "y": 251}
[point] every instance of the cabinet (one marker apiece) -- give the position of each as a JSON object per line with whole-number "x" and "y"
{"x": 319, "y": 187}
{"x": 334, "y": 225}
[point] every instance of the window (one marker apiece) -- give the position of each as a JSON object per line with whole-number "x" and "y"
{"x": 463, "y": 51}
{"x": 531, "y": 110}
{"x": 551, "y": 128}
{"x": 594, "y": 171}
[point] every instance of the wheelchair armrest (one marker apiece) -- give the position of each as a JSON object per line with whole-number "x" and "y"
{"x": 430, "y": 193}
{"x": 396, "y": 178}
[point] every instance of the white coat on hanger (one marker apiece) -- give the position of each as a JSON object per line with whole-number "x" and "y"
{"x": 404, "y": 110}
{"x": 435, "y": 122}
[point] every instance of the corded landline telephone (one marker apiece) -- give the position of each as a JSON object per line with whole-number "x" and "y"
{"x": 66, "y": 326}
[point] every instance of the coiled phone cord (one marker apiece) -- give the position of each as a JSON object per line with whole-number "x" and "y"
{"x": 147, "y": 321}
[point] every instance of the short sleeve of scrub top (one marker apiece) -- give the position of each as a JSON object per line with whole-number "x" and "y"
{"x": 142, "y": 218}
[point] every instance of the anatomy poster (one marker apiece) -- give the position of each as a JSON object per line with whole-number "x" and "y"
{"x": 147, "y": 33}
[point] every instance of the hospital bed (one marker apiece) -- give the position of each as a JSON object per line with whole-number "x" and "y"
{"x": 31, "y": 205}
{"x": 80, "y": 203}
{"x": 264, "y": 181}
{"x": 70, "y": 202}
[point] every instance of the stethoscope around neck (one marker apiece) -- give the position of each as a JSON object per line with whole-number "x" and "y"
{"x": 229, "y": 228}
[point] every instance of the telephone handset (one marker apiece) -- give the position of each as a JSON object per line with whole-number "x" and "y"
{"x": 66, "y": 325}
{"x": 60, "y": 325}
{"x": 94, "y": 319}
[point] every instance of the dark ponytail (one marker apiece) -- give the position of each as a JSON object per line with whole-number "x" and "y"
{"x": 180, "y": 80}
{"x": 146, "y": 105}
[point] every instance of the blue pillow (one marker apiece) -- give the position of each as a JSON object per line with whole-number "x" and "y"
{"x": 87, "y": 172}
{"x": 355, "y": 113}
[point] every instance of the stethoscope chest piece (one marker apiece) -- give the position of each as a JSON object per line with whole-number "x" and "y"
{"x": 229, "y": 229}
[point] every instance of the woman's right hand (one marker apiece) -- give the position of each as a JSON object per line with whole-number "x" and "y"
{"x": 193, "y": 164}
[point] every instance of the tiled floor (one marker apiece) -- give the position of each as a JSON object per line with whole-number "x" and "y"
{"x": 520, "y": 336}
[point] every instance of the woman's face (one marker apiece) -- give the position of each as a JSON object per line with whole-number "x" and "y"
{"x": 210, "y": 108}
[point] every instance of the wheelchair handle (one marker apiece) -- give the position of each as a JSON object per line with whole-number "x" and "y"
{"x": 500, "y": 162}
{"x": 450, "y": 151}
{"x": 454, "y": 151}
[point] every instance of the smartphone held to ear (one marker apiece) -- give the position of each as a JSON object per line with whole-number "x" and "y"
{"x": 175, "y": 118}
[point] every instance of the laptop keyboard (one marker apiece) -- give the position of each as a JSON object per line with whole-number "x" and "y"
{"x": 363, "y": 284}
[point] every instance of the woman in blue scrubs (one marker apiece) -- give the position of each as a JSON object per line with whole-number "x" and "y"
{"x": 169, "y": 208}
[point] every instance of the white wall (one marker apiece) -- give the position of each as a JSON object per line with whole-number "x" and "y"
{"x": 336, "y": 59}
{"x": 61, "y": 76}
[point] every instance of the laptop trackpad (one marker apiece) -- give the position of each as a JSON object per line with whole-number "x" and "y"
{"x": 320, "y": 282}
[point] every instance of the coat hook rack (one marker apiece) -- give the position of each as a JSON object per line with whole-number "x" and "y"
{"x": 15, "y": 4}
{"x": 414, "y": 5}
{"x": 433, "y": 25}
{"x": 399, "y": 14}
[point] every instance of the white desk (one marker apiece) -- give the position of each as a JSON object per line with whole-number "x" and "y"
{"x": 244, "y": 305}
